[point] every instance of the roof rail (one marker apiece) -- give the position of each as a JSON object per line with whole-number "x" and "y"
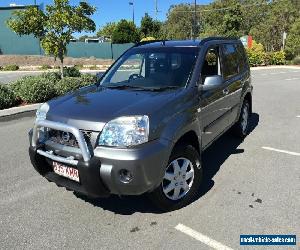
{"x": 216, "y": 38}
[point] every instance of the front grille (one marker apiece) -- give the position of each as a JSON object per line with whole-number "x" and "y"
{"x": 68, "y": 139}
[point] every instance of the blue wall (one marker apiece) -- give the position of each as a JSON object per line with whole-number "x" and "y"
{"x": 12, "y": 44}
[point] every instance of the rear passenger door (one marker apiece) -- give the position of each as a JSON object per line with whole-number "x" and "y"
{"x": 233, "y": 79}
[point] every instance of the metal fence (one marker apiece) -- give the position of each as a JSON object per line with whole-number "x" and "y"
{"x": 12, "y": 44}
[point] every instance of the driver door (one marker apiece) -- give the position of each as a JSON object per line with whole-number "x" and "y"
{"x": 213, "y": 104}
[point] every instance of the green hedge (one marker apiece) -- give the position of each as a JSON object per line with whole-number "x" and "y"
{"x": 67, "y": 84}
{"x": 33, "y": 89}
{"x": 71, "y": 72}
{"x": 52, "y": 76}
{"x": 296, "y": 60}
{"x": 266, "y": 58}
{"x": 12, "y": 67}
{"x": 7, "y": 97}
{"x": 257, "y": 56}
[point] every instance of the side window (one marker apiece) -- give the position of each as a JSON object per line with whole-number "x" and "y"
{"x": 242, "y": 58}
{"x": 230, "y": 61}
{"x": 211, "y": 64}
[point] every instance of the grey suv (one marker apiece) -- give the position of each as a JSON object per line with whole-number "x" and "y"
{"x": 143, "y": 127}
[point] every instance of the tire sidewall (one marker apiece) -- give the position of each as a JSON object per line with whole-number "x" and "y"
{"x": 242, "y": 131}
{"x": 158, "y": 195}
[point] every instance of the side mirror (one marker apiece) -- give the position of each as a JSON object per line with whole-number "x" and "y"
{"x": 212, "y": 82}
{"x": 99, "y": 75}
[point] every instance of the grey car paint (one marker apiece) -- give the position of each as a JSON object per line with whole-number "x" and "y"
{"x": 172, "y": 114}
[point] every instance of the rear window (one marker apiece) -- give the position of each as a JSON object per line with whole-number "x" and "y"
{"x": 230, "y": 61}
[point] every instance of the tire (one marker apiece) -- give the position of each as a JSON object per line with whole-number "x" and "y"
{"x": 187, "y": 182}
{"x": 241, "y": 128}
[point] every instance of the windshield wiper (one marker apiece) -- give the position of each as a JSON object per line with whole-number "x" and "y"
{"x": 123, "y": 87}
{"x": 162, "y": 88}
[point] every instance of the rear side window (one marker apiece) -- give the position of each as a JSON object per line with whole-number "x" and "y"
{"x": 230, "y": 61}
{"x": 242, "y": 58}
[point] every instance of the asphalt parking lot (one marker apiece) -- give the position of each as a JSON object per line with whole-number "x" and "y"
{"x": 252, "y": 187}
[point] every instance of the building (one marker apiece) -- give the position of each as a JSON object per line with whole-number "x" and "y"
{"x": 10, "y": 42}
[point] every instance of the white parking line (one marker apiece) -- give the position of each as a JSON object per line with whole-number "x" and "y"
{"x": 200, "y": 237}
{"x": 298, "y": 116}
{"x": 281, "y": 151}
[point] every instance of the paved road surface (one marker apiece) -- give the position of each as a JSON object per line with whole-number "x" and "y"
{"x": 250, "y": 189}
{"x": 7, "y": 77}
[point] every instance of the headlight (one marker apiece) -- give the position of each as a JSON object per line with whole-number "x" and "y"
{"x": 42, "y": 112}
{"x": 125, "y": 131}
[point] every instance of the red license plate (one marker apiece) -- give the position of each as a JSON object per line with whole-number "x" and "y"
{"x": 68, "y": 172}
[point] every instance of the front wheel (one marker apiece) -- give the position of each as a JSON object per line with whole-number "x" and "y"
{"x": 181, "y": 181}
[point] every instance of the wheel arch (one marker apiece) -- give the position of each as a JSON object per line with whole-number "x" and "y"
{"x": 189, "y": 138}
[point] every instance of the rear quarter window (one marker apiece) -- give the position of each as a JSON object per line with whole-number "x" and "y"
{"x": 242, "y": 58}
{"x": 230, "y": 61}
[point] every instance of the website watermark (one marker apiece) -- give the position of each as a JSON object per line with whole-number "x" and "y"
{"x": 252, "y": 239}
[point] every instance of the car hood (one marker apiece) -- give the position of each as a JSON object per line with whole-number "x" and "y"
{"x": 91, "y": 107}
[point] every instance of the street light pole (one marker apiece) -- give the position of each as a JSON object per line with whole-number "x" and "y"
{"x": 195, "y": 19}
{"x": 132, "y": 4}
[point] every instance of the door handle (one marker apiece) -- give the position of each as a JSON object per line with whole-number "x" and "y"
{"x": 226, "y": 91}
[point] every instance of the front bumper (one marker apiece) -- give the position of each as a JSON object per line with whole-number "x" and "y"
{"x": 99, "y": 170}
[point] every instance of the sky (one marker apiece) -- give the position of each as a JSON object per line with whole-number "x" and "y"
{"x": 115, "y": 10}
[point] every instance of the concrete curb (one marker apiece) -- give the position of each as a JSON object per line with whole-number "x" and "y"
{"x": 275, "y": 67}
{"x": 18, "y": 112}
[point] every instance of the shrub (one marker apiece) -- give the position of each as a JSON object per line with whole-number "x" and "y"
{"x": 45, "y": 67}
{"x": 88, "y": 79}
{"x": 11, "y": 67}
{"x": 296, "y": 60}
{"x": 68, "y": 84}
{"x": 93, "y": 67}
{"x": 278, "y": 58}
{"x": 52, "y": 76}
{"x": 256, "y": 54}
{"x": 71, "y": 72}
{"x": 7, "y": 97}
{"x": 78, "y": 66}
{"x": 33, "y": 89}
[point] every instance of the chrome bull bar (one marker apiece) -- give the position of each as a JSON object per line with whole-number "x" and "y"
{"x": 86, "y": 155}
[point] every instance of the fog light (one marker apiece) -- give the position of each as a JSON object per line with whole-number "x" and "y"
{"x": 125, "y": 175}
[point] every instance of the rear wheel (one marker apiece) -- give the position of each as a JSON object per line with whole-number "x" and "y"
{"x": 181, "y": 180}
{"x": 241, "y": 128}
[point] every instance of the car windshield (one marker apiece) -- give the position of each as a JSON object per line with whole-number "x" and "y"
{"x": 152, "y": 68}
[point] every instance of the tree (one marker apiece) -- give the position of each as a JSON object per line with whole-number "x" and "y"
{"x": 179, "y": 24}
{"x": 55, "y": 26}
{"x": 279, "y": 19}
{"x": 82, "y": 38}
{"x": 107, "y": 30}
{"x": 125, "y": 32}
{"x": 293, "y": 40}
{"x": 149, "y": 27}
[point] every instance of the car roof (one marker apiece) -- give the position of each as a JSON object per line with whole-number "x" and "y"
{"x": 182, "y": 43}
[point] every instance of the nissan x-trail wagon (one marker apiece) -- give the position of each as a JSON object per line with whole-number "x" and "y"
{"x": 143, "y": 126}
